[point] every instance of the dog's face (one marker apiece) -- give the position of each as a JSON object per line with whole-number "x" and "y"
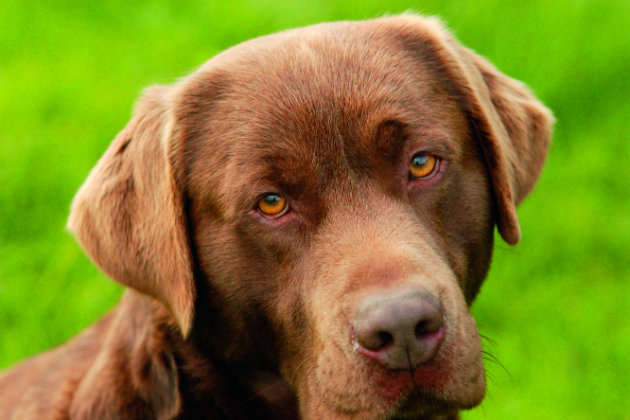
{"x": 329, "y": 196}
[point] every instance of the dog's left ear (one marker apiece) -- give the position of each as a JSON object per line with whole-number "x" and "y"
{"x": 512, "y": 126}
{"x": 129, "y": 214}
{"x": 514, "y": 129}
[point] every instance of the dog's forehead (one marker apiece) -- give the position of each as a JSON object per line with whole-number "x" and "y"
{"x": 311, "y": 100}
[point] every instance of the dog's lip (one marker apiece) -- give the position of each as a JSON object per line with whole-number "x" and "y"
{"x": 410, "y": 394}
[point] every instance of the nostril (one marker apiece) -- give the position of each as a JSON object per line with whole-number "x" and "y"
{"x": 385, "y": 340}
{"x": 374, "y": 340}
{"x": 421, "y": 329}
{"x": 427, "y": 326}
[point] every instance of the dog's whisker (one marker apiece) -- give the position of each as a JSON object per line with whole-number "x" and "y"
{"x": 493, "y": 359}
{"x": 488, "y": 339}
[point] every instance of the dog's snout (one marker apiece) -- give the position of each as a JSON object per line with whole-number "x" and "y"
{"x": 399, "y": 330}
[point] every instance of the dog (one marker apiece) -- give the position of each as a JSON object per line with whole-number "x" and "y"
{"x": 301, "y": 226}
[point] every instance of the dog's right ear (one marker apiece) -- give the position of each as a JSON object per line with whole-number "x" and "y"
{"x": 129, "y": 214}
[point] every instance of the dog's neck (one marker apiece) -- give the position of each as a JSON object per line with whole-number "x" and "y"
{"x": 174, "y": 377}
{"x": 212, "y": 384}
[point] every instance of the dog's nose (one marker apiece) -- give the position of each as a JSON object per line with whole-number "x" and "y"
{"x": 399, "y": 330}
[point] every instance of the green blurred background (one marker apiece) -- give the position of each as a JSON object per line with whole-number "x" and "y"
{"x": 556, "y": 307}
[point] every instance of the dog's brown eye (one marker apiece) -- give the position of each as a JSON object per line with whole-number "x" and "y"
{"x": 422, "y": 165}
{"x": 272, "y": 205}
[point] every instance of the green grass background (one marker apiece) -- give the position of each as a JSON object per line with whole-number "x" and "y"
{"x": 556, "y": 307}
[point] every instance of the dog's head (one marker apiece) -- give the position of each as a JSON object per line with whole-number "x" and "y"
{"x": 323, "y": 200}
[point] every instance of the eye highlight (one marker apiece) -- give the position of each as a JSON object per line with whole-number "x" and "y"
{"x": 423, "y": 165}
{"x": 272, "y": 205}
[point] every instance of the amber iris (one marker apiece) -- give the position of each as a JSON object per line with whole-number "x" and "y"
{"x": 422, "y": 165}
{"x": 272, "y": 204}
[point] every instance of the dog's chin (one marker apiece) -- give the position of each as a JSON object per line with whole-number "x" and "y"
{"x": 426, "y": 401}
{"x": 436, "y": 390}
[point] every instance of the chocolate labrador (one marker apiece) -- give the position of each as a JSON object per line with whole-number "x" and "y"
{"x": 301, "y": 225}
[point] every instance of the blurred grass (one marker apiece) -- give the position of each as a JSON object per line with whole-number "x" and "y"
{"x": 556, "y": 307}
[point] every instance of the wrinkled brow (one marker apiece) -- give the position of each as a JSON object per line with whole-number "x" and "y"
{"x": 390, "y": 137}
{"x": 294, "y": 174}
{"x": 302, "y": 168}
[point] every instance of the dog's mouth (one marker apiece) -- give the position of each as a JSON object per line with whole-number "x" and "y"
{"x": 359, "y": 384}
{"x": 374, "y": 392}
{"x": 421, "y": 394}
{"x": 396, "y": 384}
{"x": 407, "y": 395}
{"x": 411, "y": 386}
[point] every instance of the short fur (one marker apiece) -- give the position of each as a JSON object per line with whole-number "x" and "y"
{"x": 229, "y": 314}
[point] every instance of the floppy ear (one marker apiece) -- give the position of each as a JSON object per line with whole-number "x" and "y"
{"x": 513, "y": 127}
{"x": 129, "y": 215}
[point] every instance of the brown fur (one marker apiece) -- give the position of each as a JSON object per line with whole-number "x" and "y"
{"x": 231, "y": 315}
